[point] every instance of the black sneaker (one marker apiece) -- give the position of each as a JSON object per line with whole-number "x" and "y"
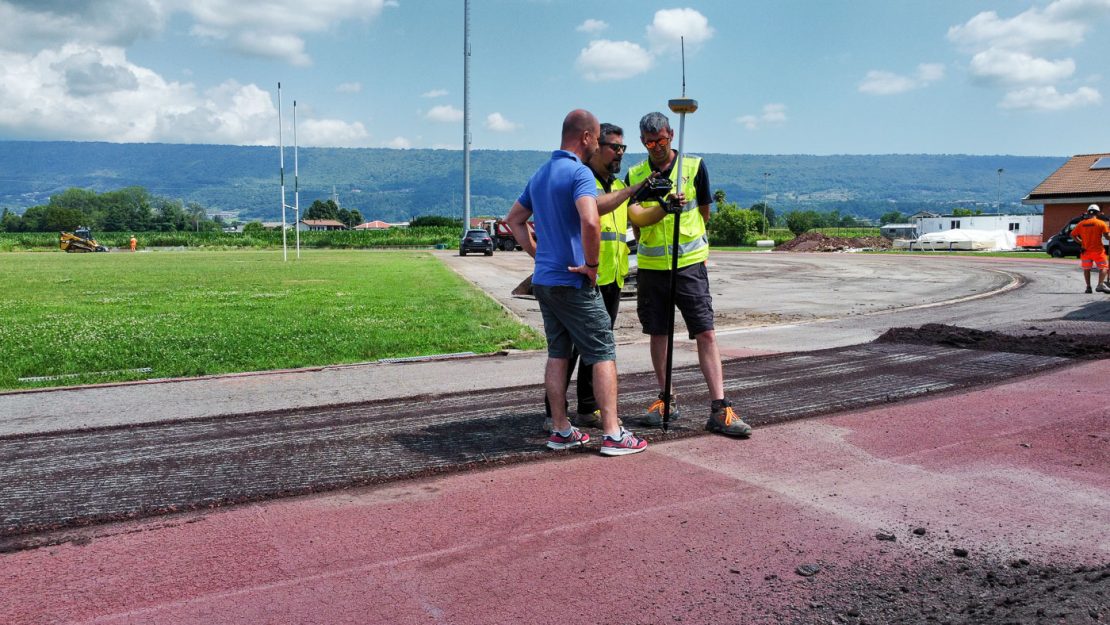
{"x": 1088, "y": 290}
{"x": 654, "y": 414}
{"x": 724, "y": 420}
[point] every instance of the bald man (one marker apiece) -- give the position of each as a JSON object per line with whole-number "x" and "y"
{"x": 561, "y": 197}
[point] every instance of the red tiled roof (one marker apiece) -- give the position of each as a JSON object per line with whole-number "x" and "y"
{"x": 1075, "y": 178}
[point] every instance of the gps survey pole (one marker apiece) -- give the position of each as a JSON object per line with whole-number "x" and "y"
{"x": 682, "y": 106}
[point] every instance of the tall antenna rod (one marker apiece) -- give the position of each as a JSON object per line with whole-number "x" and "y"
{"x": 466, "y": 116}
{"x": 281, "y": 160}
{"x": 682, "y": 42}
{"x": 296, "y": 185}
{"x": 682, "y": 106}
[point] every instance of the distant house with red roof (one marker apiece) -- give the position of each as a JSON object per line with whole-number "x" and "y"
{"x": 374, "y": 225}
{"x": 1068, "y": 191}
{"x": 320, "y": 224}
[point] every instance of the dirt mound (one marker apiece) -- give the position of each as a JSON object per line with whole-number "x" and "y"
{"x": 817, "y": 242}
{"x": 1084, "y": 347}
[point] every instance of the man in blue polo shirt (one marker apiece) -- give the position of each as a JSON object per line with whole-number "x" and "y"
{"x": 561, "y": 197}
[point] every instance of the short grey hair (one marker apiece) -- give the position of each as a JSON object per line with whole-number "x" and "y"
{"x": 653, "y": 123}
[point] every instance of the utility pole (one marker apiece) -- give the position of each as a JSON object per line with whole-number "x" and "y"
{"x": 998, "y": 193}
{"x": 766, "y": 191}
{"x": 466, "y": 116}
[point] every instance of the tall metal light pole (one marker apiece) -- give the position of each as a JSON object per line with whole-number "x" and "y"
{"x": 998, "y": 193}
{"x": 466, "y": 116}
{"x": 281, "y": 161}
{"x": 296, "y": 185}
{"x": 766, "y": 190}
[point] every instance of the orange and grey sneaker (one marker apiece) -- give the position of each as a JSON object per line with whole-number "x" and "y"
{"x": 654, "y": 414}
{"x": 724, "y": 420}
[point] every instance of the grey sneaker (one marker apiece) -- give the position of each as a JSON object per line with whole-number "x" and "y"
{"x": 724, "y": 420}
{"x": 1102, "y": 288}
{"x": 590, "y": 420}
{"x": 654, "y": 414}
{"x": 548, "y": 425}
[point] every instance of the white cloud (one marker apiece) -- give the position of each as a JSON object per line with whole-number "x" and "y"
{"x": 878, "y": 82}
{"x": 1061, "y": 23}
{"x": 445, "y": 113}
{"x": 605, "y": 60}
{"x": 771, "y": 114}
{"x": 331, "y": 133}
{"x": 273, "y": 29}
{"x": 42, "y": 94}
{"x": 1048, "y": 99}
{"x": 399, "y": 143}
{"x": 669, "y": 26}
{"x": 999, "y": 65}
{"x": 497, "y": 123}
{"x": 32, "y": 25}
{"x": 592, "y": 26}
{"x": 434, "y": 93}
{"x": 1012, "y": 52}
{"x": 349, "y": 87}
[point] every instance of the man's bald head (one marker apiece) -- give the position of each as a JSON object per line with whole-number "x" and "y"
{"x": 580, "y": 133}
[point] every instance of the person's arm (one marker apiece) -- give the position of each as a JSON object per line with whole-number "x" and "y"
{"x": 701, "y": 188}
{"x": 518, "y": 223}
{"x": 590, "y": 223}
{"x": 609, "y": 202}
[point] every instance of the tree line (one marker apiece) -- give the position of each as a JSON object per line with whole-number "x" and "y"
{"x": 127, "y": 209}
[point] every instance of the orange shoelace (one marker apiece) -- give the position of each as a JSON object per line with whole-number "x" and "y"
{"x": 656, "y": 407}
{"x": 730, "y": 414}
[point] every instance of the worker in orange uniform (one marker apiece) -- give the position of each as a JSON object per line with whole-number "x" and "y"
{"x": 134, "y": 242}
{"x": 1089, "y": 233}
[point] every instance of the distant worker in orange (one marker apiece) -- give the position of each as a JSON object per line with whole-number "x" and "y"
{"x": 1089, "y": 233}
{"x": 134, "y": 242}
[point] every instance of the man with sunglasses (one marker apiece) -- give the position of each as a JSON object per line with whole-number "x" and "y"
{"x": 689, "y": 204}
{"x": 562, "y": 198}
{"x": 612, "y": 206}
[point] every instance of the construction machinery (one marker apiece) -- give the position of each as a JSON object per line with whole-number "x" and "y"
{"x": 503, "y": 239}
{"x": 80, "y": 240}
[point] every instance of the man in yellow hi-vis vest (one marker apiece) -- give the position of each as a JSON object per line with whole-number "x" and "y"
{"x": 612, "y": 206}
{"x": 690, "y": 201}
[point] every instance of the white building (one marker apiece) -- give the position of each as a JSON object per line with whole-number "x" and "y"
{"x": 1027, "y": 229}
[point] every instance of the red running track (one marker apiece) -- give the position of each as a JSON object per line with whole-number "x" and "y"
{"x": 702, "y": 530}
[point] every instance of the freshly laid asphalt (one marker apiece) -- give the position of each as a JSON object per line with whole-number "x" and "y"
{"x": 698, "y": 529}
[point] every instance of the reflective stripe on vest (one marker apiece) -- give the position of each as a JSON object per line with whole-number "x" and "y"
{"x": 656, "y": 240}
{"x": 613, "y": 255}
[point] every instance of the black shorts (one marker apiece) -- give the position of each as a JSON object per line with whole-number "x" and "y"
{"x": 691, "y": 296}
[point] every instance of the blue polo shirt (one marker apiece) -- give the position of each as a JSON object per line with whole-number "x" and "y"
{"x": 550, "y": 195}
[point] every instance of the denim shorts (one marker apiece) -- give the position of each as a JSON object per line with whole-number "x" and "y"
{"x": 576, "y": 317}
{"x": 653, "y": 288}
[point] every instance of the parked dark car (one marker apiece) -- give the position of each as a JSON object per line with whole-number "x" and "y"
{"x": 476, "y": 241}
{"x": 1062, "y": 243}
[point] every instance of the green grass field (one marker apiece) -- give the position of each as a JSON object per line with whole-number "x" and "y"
{"x": 197, "y": 313}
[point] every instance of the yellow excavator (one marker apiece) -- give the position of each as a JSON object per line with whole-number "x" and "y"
{"x": 80, "y": 240}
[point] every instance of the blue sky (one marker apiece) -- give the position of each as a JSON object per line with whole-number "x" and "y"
{"x": 790, "y": 76}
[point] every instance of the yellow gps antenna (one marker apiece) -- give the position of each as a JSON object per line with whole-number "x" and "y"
{"x": 682, "y": 106}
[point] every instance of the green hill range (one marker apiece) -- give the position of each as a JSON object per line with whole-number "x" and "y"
{"x": 396, "y": 185}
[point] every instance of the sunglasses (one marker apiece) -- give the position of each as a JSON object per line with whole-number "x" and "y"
{"x": 661, "y": 142}
{"x": 616, "y": 147}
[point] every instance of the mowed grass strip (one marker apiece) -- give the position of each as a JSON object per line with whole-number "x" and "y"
{"x": 200, "y": 313}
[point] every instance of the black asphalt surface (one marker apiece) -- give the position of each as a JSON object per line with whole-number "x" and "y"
{"x": 65, "y": 479}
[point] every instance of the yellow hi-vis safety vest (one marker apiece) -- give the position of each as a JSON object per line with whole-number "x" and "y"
{"x": 613, "y": 259}
{"x": 657, "y": 239}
